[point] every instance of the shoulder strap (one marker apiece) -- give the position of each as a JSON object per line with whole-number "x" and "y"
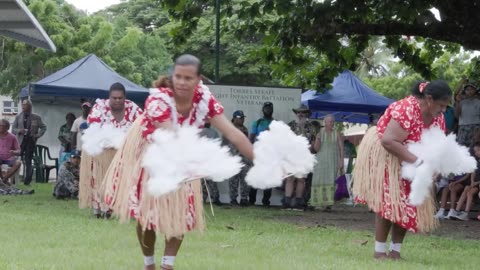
{"x": 258, "y": 123}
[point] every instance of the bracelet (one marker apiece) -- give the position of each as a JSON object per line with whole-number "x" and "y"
{"x": 418, "y": 162}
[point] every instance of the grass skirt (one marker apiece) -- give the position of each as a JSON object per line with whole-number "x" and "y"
{"x": 377, "y": 182}
{"x": 125, "y": 191}
{"x": 92, "y": 176}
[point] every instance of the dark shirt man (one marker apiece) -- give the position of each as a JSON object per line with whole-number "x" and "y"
{"x": 28, "y": 127}
{"x": 258, "y": 127}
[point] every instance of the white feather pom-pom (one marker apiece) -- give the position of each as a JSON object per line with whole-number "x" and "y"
{"x": 440, "y": 154}
{"x": 174, "y": 157}
{"x": 408, "y": 171}
{"x": 278, "y": 153}
{"x": 421, "y": 184}
{"x": 98, "y": 137}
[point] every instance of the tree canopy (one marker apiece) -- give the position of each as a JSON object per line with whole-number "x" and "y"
{"x": 308, "y": 42}
{"x": 236, "y": 61}
{"x": 121, "y": 44}
{"x": 302, "y": 43}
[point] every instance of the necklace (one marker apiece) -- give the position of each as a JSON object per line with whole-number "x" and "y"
{"x": 198, "y": 111}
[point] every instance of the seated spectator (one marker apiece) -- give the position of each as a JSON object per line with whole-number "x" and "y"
{"x": 68, "y": 178}
{"x": 454, "y": 187}
{"x": 9, "y": 150}
{"x": 470, "y": 191}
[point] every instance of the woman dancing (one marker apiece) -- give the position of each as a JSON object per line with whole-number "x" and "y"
{"x": 188, "y": 102}
{"x": 377, "y": 180}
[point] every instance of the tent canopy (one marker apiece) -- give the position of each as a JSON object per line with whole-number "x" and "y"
{"x": 88, "y": 77}
{"x": 349, "y": 100}
{"x": 17, "y": 22}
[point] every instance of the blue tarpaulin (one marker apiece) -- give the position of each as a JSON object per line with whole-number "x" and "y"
{"x": 88, "y": 77}
{"x": 349, "y": 100}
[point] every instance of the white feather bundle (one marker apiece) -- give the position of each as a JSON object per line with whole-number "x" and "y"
{"x": 98, "y": 137}
{"x": 174, "y": 157}
{"x": 279, "y": 152}
{"x": 440, "y": 154}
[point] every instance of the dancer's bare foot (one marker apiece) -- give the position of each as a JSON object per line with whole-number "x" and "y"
{"x": 150, "y": 267}
{"x": 380, "y": 256}
{"x": 394, "y": 255}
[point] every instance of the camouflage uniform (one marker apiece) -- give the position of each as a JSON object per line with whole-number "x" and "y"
{"x": 308, "y": 130}
{"x": 239, "y": 179}
{"x": 67, "y": 184}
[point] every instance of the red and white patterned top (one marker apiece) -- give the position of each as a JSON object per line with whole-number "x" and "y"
{"x": 102, "y": 113}
{"x": 407, "y": 113}
{"x": 158, "y": 108}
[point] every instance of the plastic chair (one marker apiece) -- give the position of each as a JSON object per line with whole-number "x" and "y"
{"x": 42, "y": 153}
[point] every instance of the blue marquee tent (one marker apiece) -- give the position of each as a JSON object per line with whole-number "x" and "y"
{"x": 88, "y": 77}
{"x": 349, "y": 100}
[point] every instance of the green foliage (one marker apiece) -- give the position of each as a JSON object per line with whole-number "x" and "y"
{"x": 308, "y": 42}
{"x": 400, "y": 78}
{"x": 134, "y": 54}
{"x": 239, "y": 60}
{"x": 473, "y": 70}
{"x": 289, "y": 42}
{"x": 396, "y": 85}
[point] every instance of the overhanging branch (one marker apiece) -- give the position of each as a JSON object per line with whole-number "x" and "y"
{"x": 439, "y": 31}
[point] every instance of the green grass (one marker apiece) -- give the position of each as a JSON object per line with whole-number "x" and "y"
{"x": 39, "y": 232}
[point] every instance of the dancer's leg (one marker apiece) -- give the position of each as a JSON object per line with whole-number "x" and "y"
{"x": 172, "y": 246}
{"x": 398, "y": 234}
{"x": 382, "y": 228}
{"x": 147, "y": 244}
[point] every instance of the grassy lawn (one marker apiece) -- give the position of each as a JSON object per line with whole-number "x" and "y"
{"x": 39, "y": 232}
